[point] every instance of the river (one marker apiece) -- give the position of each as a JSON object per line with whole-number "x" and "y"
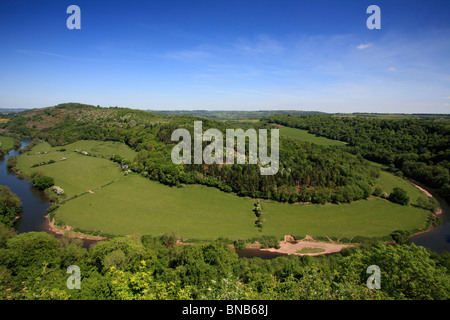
{"x": 34, "y": 202}
{"x": 438, "y": 238}
{"x": 35, "y": 206}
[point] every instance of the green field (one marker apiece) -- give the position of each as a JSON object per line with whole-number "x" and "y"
{"x": 369, "y": 218}
{"x": 103, "y": 148}
{"x": 303, "y": 135}
{"x": 6, "y": 143}
{"x": 125, "y": 205}
{"x": 77, "y": 173}
{"x": 388, "y": 181}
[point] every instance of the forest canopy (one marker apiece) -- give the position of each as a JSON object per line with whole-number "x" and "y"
{"x": 417, "y": 149}
{"x": 34, "y": 266}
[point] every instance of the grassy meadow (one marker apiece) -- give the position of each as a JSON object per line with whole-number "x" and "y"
{"x": 78, "y": 173}
{"x": 132, "y": 204}
{"x": 6, "y": 143}
{"x": 103, "y": 148}
{"x": 303, "y": 135}
{"x": 389, "y": 181}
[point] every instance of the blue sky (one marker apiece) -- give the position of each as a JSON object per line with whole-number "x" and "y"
{"x": 228, "y": 55}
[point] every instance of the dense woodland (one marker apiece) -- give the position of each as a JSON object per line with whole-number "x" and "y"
{"x": 307, "y": 173}
{"x": 10, "y": 206}
{"x": 34, "y": 265}
{"x": 417, "y": 149}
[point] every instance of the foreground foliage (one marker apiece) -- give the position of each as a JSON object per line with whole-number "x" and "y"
{"x": 33, "y": 266}
{"x": 10, "y": 206}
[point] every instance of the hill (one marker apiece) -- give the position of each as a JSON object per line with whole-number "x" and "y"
{"x": 307, "y": 172}
{"x": 233, "y": 115}
{"x": 11, "y": 110}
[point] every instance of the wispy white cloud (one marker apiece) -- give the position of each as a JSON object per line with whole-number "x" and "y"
{"x": 188, "y": 55}
{"x": 364, "y": 46}
{"x": 392, "y": 69}
{"x": 263, "y": 44}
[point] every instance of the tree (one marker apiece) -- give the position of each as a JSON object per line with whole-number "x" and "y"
{"x": 27, "y": 253}
{"x": 430, "y": 204}
{"x": 5, "y": 234}
{"x": 11, "y": 162}
{"x": 377, "y": 192}
{"x": 44, "y": 182}
{"x": 121, "y": 253}
{"x": 400, "y": 236}
{"x": 10, "y": 206}
{"x": 399, "y": 196}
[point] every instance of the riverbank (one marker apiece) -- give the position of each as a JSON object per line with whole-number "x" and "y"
{"x": 308, "y": 246}
{"x": 68, "y": 231}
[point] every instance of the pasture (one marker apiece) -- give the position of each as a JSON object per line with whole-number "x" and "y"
{"x": 134, "y": 205}
{"x": 72, "y": 171}
{"x": 103, "y": 148}
{"x": 6, "y": 143}
{"x": 303, "y": 135}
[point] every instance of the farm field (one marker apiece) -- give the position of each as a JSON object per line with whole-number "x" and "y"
{"x": 103, "y": 148}
{"x": 388, "y": 181}
{"x": 6, "y": 143}
{"x": 368, "y": 218}
{"x": 77, "y": 173}
{"x": 125, "y": 205}
{"x": 303, "y": 135}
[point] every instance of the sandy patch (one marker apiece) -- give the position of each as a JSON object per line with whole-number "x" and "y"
{"x": 289, "y": 247}
{"x": 424, "y": 191}
{"x": 67, "y": 230}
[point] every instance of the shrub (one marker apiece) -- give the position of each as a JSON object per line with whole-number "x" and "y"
{"x": 44, "y": 182}
{"x": 268, "y": 242}
{"x": 52, "y": 208}
{"x": 11, "y": 162}
{"x": 377, "y": 192}
{"x": 240, "y": 244}
{"x": 430, "y": 204}
{"x": 399, "y": 196}
{"x": 400, "y": 236}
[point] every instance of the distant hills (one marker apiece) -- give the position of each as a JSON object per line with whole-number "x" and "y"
{"x": 259, "y": 114}
{"x": 11, "y": 110}
{"x": 233, "y": 115}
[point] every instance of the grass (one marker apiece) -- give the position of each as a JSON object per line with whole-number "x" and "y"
{"x": 135, "y": 205}
{"x": 77, "y": 174}
{"x": 388, "y": 181}
{"x": 7, "y": 143}
{"x": 103, "y": 148}
{"x": 310, "y": 250}
{"x": 369, "y": 218}
{"x": 125, "y": 205}
{"x": 303, "y": 135}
